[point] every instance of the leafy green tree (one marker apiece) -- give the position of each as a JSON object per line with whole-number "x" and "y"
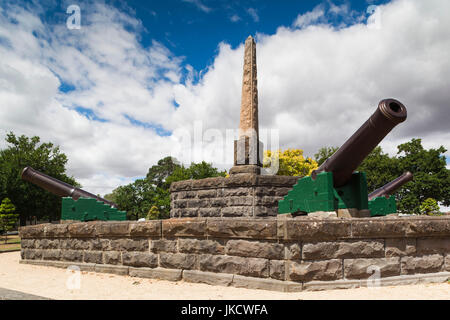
{"x": 8, "y": 217}
{"x": 431, "y": 177}
{"x": 29, "y": 199}
{"x": 380, "y": 169}
{"x": 152, "y": 193}
{"x": 324, "y": 153}
{"x": 429, "y": 206}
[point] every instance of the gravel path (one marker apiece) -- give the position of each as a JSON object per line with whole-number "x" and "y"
{"x": 51, "y": 283}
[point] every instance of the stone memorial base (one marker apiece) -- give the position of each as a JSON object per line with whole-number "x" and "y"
{"x": 286, "y": 254}
{"x": 242, "y": 194}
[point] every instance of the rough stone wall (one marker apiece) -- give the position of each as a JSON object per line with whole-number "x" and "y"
{"x": 242, "y": 195}
{"x": 275, "y": 254}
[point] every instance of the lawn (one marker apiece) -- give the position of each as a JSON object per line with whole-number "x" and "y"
{"x": 12, "y": 244}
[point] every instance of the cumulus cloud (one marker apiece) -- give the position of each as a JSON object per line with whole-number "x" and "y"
{"x": 317, "y": 84}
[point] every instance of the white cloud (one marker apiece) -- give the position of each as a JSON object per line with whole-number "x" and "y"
{"x": 253, "y": 13}
{"x": 317, "y": 85}
{"x": 309, "y": 17}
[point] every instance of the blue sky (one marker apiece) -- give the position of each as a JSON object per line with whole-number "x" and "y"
{"x": 123, "y": 91}
{"x": 193, "y": 28}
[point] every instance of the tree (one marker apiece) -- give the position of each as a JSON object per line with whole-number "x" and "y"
{"x": 324, "y": 153}
{"x": 380, "y": 169}
{"x": 429, "y": 206}
{"x": 431, "y": 177}
{"x": 8, "y": 217}
{"x": 291, "y": 162}
{"x": 152, "y": 193}
{"x": 29, "y": 199}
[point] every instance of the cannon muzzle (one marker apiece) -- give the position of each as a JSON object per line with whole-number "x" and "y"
{"x": 349, "y": 156}
{"x": 392, "y": 186}
{"x": 58, "y": 187}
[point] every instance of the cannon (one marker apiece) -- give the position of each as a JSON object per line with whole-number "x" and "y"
{"x": 390, "y": 187}
{"x": 77, "y": 204}
{"x": 335, "y": 184}
{"x": 381, "y": 201}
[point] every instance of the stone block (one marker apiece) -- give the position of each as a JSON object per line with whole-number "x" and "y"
{"x": 163, "y": 245}
{"x": 177, "y": 261}
{"x": 181, "y": 185}
{"x": 140, "y": 259}
{"x": 242, "y": 228}
{"x": 239, "y": 201}
{"x": 113, "y": 229}
{"x": 99, "y": 244}
{"x": 209, "y": 212}
{"x": 31, "y": 254}
{"x": 261, "y": 283}
{"x": 400, "y": 247}
{"x": 146, "y": 228}
{"x": 293, "y": 251}
{"x": 262, "y": 211}
{"x": 232, "y": 192}
{"x": 200, "y": 246}
{"x": 72, "y": 255}
{"x": 93, "y": 257}
{"x": 428, "y": 226}
{"x": 364, "y": 268}
{"x": 240, "y": 180}
{"x": 239, "y": 211}
{"x": 208, "y": 183}
{"x": 27, "y": 243}
{"x": 378, "y": 228}
{"x": 277, "y": 269}
{"x": 256, "y": 249}
{"x": 112, "y": 257}
{"x": 315, "y": 229}
{"x": 119, "y": 270}
{"x": 129, "y": 244}
{"x": 156, "y": 273}
{"x": 422, "y": 264}
{"x": 343, "y": 250}
{"x": 254, "y": 267}
{"x": 82, "y": 229}
{"x": 207, "y": 193}
{"x": 56, "y": 230}
{"x": 216, "y": 279}
{"x": 31, "y": 232}
{"x": 218, "y": 202}
{"x": 184, "y": 227}
{"x": 315, "y": 270}
{"x": 51, "y": 254}
{"x": 433, "y": 245}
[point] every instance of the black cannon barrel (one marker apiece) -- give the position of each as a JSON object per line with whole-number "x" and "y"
{"x": 58, "y": 187}
{"x": 349, "y": 156}
{"x": 391, "y": 187}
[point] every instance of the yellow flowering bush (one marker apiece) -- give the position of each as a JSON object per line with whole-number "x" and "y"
{"x": 291, "y": 162}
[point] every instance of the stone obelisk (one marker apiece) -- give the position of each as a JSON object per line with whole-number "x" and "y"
{"x": 248, "y": 149}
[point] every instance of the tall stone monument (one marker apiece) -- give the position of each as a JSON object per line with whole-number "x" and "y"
{"x": 248, "y": 149}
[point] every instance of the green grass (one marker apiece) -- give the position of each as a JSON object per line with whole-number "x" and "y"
{"x": 13, "y": 244}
